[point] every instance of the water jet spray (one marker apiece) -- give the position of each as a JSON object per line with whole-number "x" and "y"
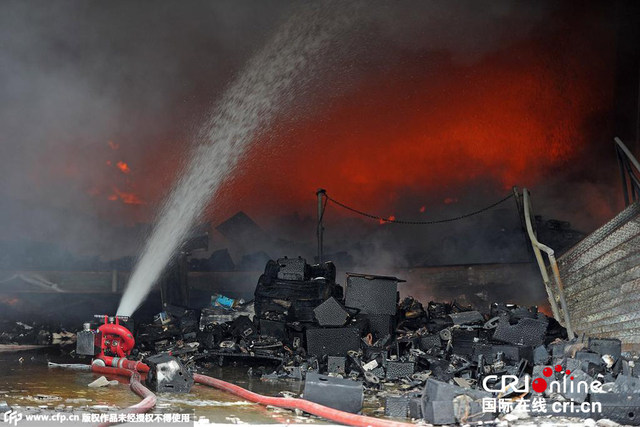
{"x": 267, "y": 86}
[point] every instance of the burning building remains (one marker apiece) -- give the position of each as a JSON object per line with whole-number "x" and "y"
{"x": 418, "y": 110}
{"x": 441, "y": 362}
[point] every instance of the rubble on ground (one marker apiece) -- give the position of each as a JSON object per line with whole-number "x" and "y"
{"x": 33, "y": 334}
{"x": 102, "y": 382}
{"x": 441, "y": 362}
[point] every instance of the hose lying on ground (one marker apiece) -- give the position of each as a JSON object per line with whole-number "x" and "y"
{"x": 304, "y": 405}
{"x": 148, "y": 397}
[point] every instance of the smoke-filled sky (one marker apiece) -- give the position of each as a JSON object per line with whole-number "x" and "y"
{"x": 423, "y": 109}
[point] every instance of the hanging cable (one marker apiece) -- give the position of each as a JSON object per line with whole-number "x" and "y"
{"x": 397, "y": 221}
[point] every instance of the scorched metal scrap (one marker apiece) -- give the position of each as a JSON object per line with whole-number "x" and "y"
{"x": 441, "y": 363}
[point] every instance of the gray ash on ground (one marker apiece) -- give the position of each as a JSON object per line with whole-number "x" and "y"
{"x": 441, "y": 362}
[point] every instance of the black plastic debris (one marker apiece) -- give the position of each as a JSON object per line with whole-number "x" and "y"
{"x": 273, "y": 328}
{"x": 276, "y": 296}
{"x": 332, "y": 341}
{"x": 526, "y": 331}
{"x": 338, "y": 393}
{"x": 623, "y": 408}
{"x": 415, "y": 408}
{"x": 428, "y": 362}
{"x": 372, "y": 294}
{"x": 211, "y": 316}
{"x": 381, "y": 325}
{"x": 540, "y": 355}
{"x": 606, "y": 346}
{"x": 243, "y": 328}
{"x": 168, "y": 374}
{"x": 439, "y": 391}
{"x": 429, "y": 342}
{"x": 627, "y": 384}
{"x": 396, "y": 369}
{"x": 337, "y": 364}
{"x": 466, "y": 318}
{"x": 331, "y": 313}
{"x": 438, "y": 400}
{"x": 396, "y": 406}
{"x": 438, "y": 412}
{"x": 292, "y": 269}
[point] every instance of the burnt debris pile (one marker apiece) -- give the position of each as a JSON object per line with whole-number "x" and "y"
{"x": 441, "y": 362}
{"x": 20, "y": 335}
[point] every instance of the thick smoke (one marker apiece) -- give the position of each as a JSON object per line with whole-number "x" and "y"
{"x": 262, "y": 89}
{"x": 76, "y": 75}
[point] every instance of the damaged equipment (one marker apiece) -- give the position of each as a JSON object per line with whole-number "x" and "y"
{"x": 438, "y": 362}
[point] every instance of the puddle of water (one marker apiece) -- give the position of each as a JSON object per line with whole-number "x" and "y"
{"x": 33, "y": 386}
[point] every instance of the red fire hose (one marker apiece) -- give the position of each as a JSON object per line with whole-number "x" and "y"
{"x": 148, "y": 398}
{"x": 132, "y": 369}
{"x": 341, "y": 417}
{"x": 121, "y": 362}
{"x": 127, "y": 368}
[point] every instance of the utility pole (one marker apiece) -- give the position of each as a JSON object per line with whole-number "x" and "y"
{"x": 321, "y": 193}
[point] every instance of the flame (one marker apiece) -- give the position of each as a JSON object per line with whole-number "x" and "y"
{"x": 127, "y": 198}
{"x": 120, "y": 188}
{"x": 430, "y": 126}
{"x": 384, "y": 221}
{"x": 9, "y": 300}
{"x": 422, "y": 128}
{"x": 123, "y": 167}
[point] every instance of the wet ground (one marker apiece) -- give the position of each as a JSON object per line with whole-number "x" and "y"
{"x": 28, "y": 385}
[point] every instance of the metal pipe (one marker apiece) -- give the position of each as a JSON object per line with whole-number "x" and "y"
{"x": 537, "y": 247}
{"x": 114, "y": 280}
{"x": 626, "y": 151}
{"x": 623, "y": 177}
{"x": 320, "y": 194}
{"x": 628, "y": 163}
{"x": 634, "y": 180}
{"x": 75, "y": 366}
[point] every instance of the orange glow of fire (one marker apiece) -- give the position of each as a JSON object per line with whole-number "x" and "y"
{"x": 426, "y": 127}
{"x": 545, "y": 308}
{"x": 127, "y": 198}
{"x": 9, "y": 300}
{"x": 423, "y": 127}
{"x": 384, "y": 221}
{"x": 123, "y": 167}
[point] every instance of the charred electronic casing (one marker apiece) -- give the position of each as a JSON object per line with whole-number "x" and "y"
{"x": 168, "y": 374}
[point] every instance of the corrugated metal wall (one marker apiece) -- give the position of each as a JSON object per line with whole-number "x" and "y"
{"x": 601, "y": 276}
